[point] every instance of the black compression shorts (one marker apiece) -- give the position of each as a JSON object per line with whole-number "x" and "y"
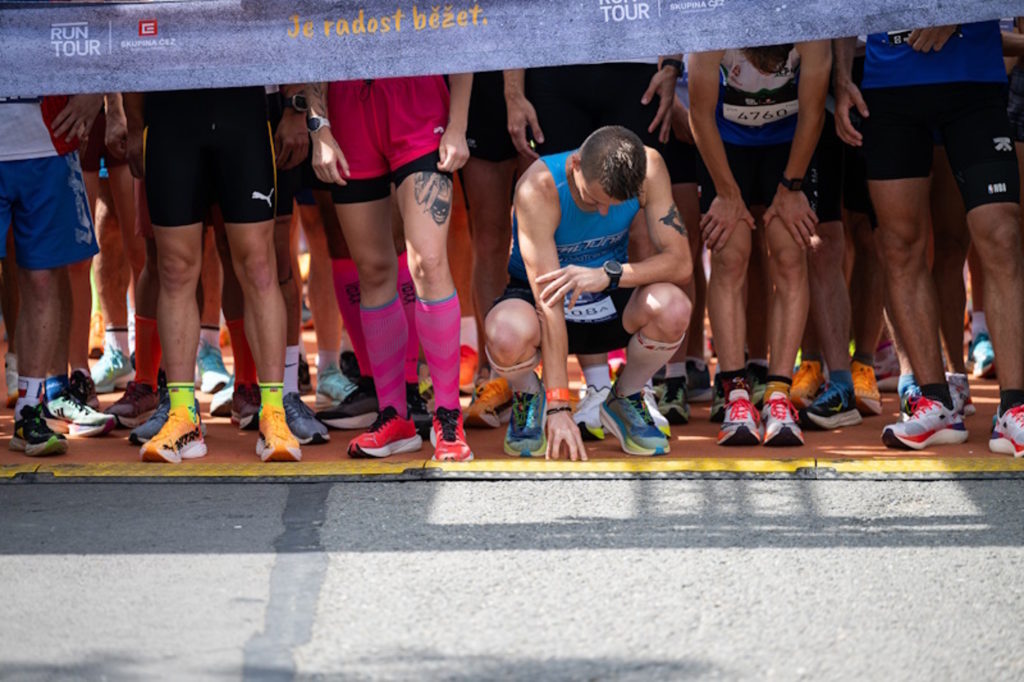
{"x": 289, "y": 182}
{"x": 969, "y": 118}
{"x": 206, "y": 146}
{"x": 487, "y": 128}
{"x": 757, "y": 171}
{"x": 602, "y": 334}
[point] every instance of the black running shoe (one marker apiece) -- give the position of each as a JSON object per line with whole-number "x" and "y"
{"x": 357, "y": 411}
{"x": 33, "y": 437}
{"x": 349, "y": 365}
{"x": 419, "y": 413}
{"x": 83, "y": 389}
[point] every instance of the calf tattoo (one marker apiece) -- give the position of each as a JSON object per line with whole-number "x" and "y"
{"x": 433, "y": 191}
{"x": 673, "y": 220}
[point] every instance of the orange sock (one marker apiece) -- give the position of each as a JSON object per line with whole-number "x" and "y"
{"x": 245, "y": 365}
{"x": 148, "y": 351}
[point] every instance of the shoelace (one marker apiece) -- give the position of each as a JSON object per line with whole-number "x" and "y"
{"x": 386, "y": 415}
{"x": 781, "y": 409}
{"x": 740, "y": 409}
{"x": 640, "y": 409}
{"x": 831, "y": 391}
{"x": 522, "y": 404}
{"x": 922, "y": 405}
{"x": 1017, "y": 415}
{"x": 449, "y": 421}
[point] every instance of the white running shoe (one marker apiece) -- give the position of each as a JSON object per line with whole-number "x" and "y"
{"x": 929, "y": 423}
{"x": 11, "y": 369}
{"x": 588, "y": 413}
{"x": 887, "y": 367}
{"x": 1008, "y": 433}
{"x": 780, "y": 422}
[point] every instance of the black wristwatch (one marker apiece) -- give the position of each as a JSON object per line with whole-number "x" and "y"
{"x": 793, "y": 185}
{"x": 677, "y": 63}
{"x": 613, "y": 269}
{"x": 297, "y": 103}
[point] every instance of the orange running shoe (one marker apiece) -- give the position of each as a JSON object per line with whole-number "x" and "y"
{"x": 468, "y": 361}
{"x": 865, "y": 388}
{"x": 180, "y": 438}
{"x": 449, "y": 438}
{"x": 491, "y": 406}
{"x": 276, "y": 442}
{"x": 806, "y": 384}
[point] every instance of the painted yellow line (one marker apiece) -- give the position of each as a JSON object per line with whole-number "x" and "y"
{"x": 626, "y": 466}
{"x": 12, "y": 470}
{"x": 203, "y": 470}
{"x": 952, "y": 465}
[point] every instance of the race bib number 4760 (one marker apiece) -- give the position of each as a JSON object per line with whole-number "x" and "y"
{"x": 759, "y": 115}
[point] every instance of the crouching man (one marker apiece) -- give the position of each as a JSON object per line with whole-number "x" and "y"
{"x": 572, "y": 291}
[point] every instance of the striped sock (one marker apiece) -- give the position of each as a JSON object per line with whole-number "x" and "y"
{"x": 438, "y": 323}
{"x": 407, "y": 292}
{"x": 387, "y": 334}
{"x": 346, "y": 291}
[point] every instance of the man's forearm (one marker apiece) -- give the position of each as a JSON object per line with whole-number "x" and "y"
{"x": 712, "y": 152}
{"x": 515, "y": 83}
{"x": 554, "y": 346}
{"x": 461, "y": 85}
{"x": 316, "y": 99}
{"x": 669, "y": 266}
{"x": 843, "y": 52}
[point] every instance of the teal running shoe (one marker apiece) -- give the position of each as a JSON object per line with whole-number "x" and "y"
{"x": 525, "y": 436}
{"x": 112, "y": 372}
{"x": 210, "y": 370}
{"x": 629, "y": 420}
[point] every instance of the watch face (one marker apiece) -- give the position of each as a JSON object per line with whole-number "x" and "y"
{"x": 613, "y": 267}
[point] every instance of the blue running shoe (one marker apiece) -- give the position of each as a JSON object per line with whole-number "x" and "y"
{"x": 629, "y": 420}
{"x": 984, "y": 356}
{"x": 525, "y": 436}
{"x": 210, "y": 370}
{"x": 112, "y": 372}
{"x": 835, "y": 407}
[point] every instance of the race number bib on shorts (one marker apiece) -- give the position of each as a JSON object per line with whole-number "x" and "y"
{"x": 590, "y": 309}
{"x": 759, "y": 115}
{"x": 897, "y": 38}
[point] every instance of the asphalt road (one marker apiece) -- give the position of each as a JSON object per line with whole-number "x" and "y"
{"x": 513, "y": 580}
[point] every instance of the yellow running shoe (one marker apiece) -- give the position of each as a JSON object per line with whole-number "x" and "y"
{"x": 491, "y": 406}
{"x": 806, "y": 384}
{"x": 180, "y": 438}
{"x": 865, "y": 387}
{"x": 276, "y": 442}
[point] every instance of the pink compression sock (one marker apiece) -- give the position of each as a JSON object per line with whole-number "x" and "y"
{"x": 438, "y": 323}
{"x": 346, "y": 290}
{"x": 387, "y": 333}
{"x": 407, "y": 294}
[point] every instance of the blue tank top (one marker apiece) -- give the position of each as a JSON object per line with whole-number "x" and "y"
{"x": 584, "y": 238}
{"x": 972, "y": 55}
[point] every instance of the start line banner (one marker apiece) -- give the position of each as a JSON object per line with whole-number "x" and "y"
{"x": 70, "y": 47}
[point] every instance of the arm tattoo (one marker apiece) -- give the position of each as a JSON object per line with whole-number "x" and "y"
{"x": 672, "y": 219}
{"x": 433, "y": 192}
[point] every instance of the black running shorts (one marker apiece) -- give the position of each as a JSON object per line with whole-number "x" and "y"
{"x": 206, "y": 146}
{"x": 971, "y": 120}
{"x": 601, "y": 334}
{"x": 757, "y": 171}
{"x": 487, "y": 128}
{"x": 289, "y": 182}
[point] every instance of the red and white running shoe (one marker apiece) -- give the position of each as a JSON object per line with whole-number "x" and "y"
{"x": 449, "y": 438}
{"x": 1008, "y": 433}
{"x": 742, "y": 424}
{"x": 929, "y": 423}
{"x": 388, "y": 435}
{"x": 780, "y": 422}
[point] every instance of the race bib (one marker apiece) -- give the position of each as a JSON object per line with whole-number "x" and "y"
{"x": 590, "y": 309}
{"x": 897, "y": 38}
{"x": 759, "y": 115}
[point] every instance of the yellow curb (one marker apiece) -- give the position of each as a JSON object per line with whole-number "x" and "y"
{"x": 931, "y": 465}
{"x": 12, "y": 470}
{"x": 254, "y": 470}
{"x": 628, "y": 466}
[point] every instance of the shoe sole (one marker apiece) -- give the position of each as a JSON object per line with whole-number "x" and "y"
{"x": 247, "y": 423}
{"x": 785, "y": 438}
{"x": 1004, "y": 446}
{"x": 869, "y": 407}
{"x": 214, "y": 384}
{"x": 268, "y": 454}
{"x": 512, "y": 452}
{"x": 73, "y": 431}
{"x": 630, "y": 447}
{"x": 489, "y": 420}
{"x": 850, "y": 417}
{"x": 741, "y": 436}
{"x": 360, "y": 421}
{"x": 119, "y": 384}
{"x": 404, "y": 445}
{"x": 54, "y": 446}
{"x": 940, "y": 437}
{"x": 161, "y": 456}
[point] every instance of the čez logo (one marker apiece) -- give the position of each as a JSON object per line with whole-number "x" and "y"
{"x": 147, "y": 28}
{"x": 72, "y": 40}
{"x": 624, "y": 10}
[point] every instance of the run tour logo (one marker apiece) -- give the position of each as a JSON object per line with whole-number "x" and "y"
{"x": 1003, "y": 144}
{"x": 624, "y": 10}
{"x": 72, "y": 39}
